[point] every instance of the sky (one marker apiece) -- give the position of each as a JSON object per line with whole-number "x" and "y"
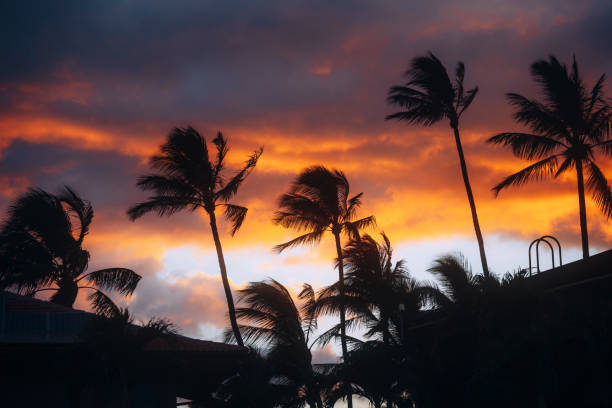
{"x": 89, "y": 90}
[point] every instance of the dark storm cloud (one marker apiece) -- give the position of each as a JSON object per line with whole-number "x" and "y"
{"x": 253, "y": 62}
{"x": 104, "y": 178}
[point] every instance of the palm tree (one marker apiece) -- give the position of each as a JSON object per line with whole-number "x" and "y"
{"x": 186, "y": 178}
{"x": 317, "y": 202}
{"x": 375, "y": 291}
{"x": 41, "y": 249}
{"x": 570, "y": 127}
{"x": 430, "y": 96}
{"x": 379, "y": 295}
{"x": 484, "y": 335}
{"x": 271, "y": 318}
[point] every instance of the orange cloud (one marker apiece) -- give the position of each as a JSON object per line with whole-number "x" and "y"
{"x": 41, "y": 129}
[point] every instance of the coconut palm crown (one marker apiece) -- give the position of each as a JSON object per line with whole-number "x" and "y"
{"x": 375, "y": 287}
{"x": 41, "y": 249}
{"x": 571, "y": 126}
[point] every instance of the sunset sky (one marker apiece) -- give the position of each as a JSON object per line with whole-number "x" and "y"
{"x": 89, "y": 90}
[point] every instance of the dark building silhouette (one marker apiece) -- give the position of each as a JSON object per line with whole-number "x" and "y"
{"x": 47, "y": 361}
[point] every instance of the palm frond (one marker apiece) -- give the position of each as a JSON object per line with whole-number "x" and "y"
{"x": 122, "y": 280}
{"x": 309, "y": 238}
{"x": 25, "y": 263}
{"x": 600, "y": 189}
{"x": 334, "y": 333}
{"x": 598, "y": 124}
{"x": 430, "y": 295}
{"x": 467, "y": 100}
{"x": 425, "y": 114}
{"x": 353, "y": 205}
{"x": 271, "y": 314}
{"x": 327, "y": 188}
{"x": 184, "y": 154}
{"x": 163, "y": 206}
{"x": 527, "y": 146}
{"x": 82, "y": 209}
{"x": 254, "y": 315}
{"x": 459, "y": 76}
{"x": 252, "y": 335}
{"x": 167, "y": 185}
{"x": 231, "y": 188}
{"x": 409, "y": 98}
{"x": 596, "y": 97}
{"x": 42, "y": 216}
{"x": 222, "y": 149}
{"x": 352, "y": 228}
{"x": 563, "y": 90}
{"x": 537, "y": 116}
{"x": 454, "y": 274}
{"x": 301, "y": 212}
{"x": 308, "y": 309}
{"x": 103, "y": 305}
{"x": 543, "y": 168}
{"x": 567, "y": 164}
{"x": 235, "y": 214}
{"x": 605, "y": 147}
{"x": 428, "y": 73}
{"x": 159, "y": 327}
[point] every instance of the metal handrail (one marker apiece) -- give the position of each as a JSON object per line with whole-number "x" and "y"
{"x": 552, "y": 253}
{"x": 558, "y": 246}
{"x": 544, "y": 238}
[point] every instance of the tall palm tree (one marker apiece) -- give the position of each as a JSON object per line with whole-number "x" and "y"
{"x": 41, "y": 249}
{"x": 187, "y": 179}
{"x": 430, "y": 96}
{"x": 317, "y": 202}
{"x": 570, "y": 127}
{"x": 271, "y": 318}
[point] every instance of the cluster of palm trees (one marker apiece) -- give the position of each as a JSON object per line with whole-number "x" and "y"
{"x": 41, "y": 242}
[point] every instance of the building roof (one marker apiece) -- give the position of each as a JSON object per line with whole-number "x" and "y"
{"x": 26, "y": 320}
{"x": 595, "y": 268}
{"x": 20, "y": 303}
{"x": 184, "y": 343}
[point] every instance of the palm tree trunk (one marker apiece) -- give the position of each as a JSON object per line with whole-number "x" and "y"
{"x": 468, "y": 190}
{"x": 582, "y": 205}
{"x": 349, "y": 397}
{"x": 226, "y": 286}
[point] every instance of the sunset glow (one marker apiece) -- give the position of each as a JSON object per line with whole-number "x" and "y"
{"x": 98, "y": 98}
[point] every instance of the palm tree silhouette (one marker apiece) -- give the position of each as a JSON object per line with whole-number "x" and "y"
{"x": 272, "y": 318}
{"x": 485, "y": 333}
{"x": 430, "y": 96}
{"x": 375, "y": 287}
{"x": 379, "y": 295}
{"x": 41, "y": 249}
{"x": 317, "y": 202}
{"x": 186, "y": 178}
{"x": 571, "y": 125}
